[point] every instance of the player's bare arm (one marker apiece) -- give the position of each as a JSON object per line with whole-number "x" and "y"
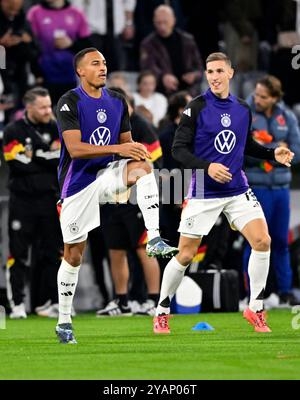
{"x": 79, "y": 149}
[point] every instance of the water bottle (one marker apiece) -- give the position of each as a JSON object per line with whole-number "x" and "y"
{"x": 188, "y": 297}
{"x": 28, "y": 144}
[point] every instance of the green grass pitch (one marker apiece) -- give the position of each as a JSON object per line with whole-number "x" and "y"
{"x": 126, "y": 348}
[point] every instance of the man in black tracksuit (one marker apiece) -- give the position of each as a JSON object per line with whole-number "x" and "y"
{"x": 31, "y": 149}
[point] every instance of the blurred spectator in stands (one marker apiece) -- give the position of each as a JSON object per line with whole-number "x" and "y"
{"x": 61, "y": 31}
{"x": 125, "y": 232}
{"x": 16, "y": 37}
{"x": 171, "y": 54}
{"x": 274, "y": 124}
{"x": 171, "y": 210}
{"x": 143, "y": 20}
{"x": 242, "y": 18}
{"x": 156, "y": 103}
{"x": 118, "y": 79}
{"x": 111, "y": 23}
{"x": 143, "y": 16}
{"x": 31, "y": 148}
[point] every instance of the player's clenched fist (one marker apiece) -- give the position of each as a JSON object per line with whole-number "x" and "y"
{"x": 134, "y": 150}
{"x": 219, "y": 173}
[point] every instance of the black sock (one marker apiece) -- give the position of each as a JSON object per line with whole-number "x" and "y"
{"x": 123, "y": 299}
{"x": 154, "y": 297}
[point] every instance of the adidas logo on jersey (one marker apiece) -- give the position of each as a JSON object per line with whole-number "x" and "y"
{"x": 188, "y": 112}
{"x": 65, "y": 107}
{"x": 153, "y": 206}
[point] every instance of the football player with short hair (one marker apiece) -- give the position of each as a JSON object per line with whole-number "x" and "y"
{"x": 94, "y": 129}
{"x": 212, "y": 138}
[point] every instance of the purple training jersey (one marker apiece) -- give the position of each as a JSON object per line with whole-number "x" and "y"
{"x": 100, "y": 121}
{"x": 215, "y": 130}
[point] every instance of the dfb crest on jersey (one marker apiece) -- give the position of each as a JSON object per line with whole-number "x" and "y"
{"x": 100, "y": 136}
{"x": 101, "y": 116}
{"x": 225, "y": 141}
{"x": 225, "y": 120}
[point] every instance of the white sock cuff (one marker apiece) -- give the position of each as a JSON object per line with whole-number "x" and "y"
{"x": 146, "y": 179}
{"x": 176, "y": 264}
{"x": 261, "y": 254}
{"x": 69, "y": 268}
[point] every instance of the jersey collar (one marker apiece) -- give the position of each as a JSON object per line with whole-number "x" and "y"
{"x": 210, "y": 94}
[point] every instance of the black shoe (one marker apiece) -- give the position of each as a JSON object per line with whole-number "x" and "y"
{"x": 288, "y": 300}
{"x": 114, "y": 309}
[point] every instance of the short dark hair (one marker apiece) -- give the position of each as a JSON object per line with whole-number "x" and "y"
{"x": 31, "y": 94}
{"x": 218, "y": 56}
{"x": 272, "y": 84}
{"x": 79, "y": 56}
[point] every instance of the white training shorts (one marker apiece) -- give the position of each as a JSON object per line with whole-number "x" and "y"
{"x": 200, "y": 215}
{"x": 80, "y": 213}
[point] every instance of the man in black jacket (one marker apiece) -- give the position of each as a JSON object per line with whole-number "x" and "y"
{"x": 171, "y": 54}
{"x": 31, "y": 148}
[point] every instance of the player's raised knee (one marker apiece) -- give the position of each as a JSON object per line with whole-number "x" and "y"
{"x": 145, "y": 166}
{"x": 262, "y": 242}
{"x": 185, "y": 256}
{"x": 137, "y": 169}
{"x": 73, "y": 256}
{"x": 73, "y": 260}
